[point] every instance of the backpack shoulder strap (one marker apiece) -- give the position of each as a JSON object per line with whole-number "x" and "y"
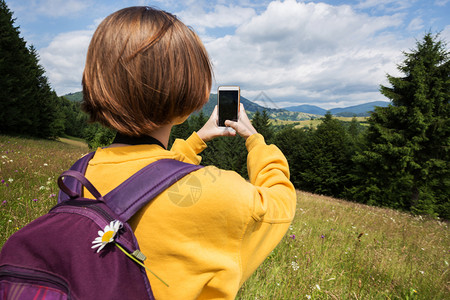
{"x": 72, "y": 183}
{"x": 134, "y": 193}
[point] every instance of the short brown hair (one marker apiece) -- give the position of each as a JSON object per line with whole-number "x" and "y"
{"x": 144, "y": 68}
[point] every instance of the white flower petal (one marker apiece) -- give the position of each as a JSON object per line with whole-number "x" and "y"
{"x": 97, "y": 240}
{"x": 95, "y": 246}
{"x": 111, "y": 229}
{"x": 101, "y": 248}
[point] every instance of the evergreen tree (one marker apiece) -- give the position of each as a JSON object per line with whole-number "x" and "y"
{"x": 406, "y": 164}
{"x": 292, "y": 142}
{"x": 13, "y": 70}
{"x": 327, "y": 158}
{"x": 27, "y": 103}
{"x": 261, "y": 122}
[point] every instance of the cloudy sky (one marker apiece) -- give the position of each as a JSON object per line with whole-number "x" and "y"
{"x": 330, "y": 53}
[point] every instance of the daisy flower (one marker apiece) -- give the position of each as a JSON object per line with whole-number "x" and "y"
{"x": 107, "y": 235}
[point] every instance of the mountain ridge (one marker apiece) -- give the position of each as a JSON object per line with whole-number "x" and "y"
{"x": 292, "y": 113}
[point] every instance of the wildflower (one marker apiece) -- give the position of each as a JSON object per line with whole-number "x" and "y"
{"x": 322, "y": 236}
{"x": 45, "y": 165}
{"x": 292, "y": 236}
{"x": 4, "y": 202}
{"x": 10, "y": 180}
{"x": 317, "y": 287}
{"x": 3, "y": 181}
{"x": 422, "y": 272}
{"x": 295, "y": 266}
{"x": 52, "y": 195}
{"x": 35, "y": 200}
{"x": 42, "y": 188}
{"x": 308, "y": 296}
{"x": 107, "y": 235}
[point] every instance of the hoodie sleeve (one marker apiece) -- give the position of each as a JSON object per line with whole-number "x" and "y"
{"x": 190, "y": 148}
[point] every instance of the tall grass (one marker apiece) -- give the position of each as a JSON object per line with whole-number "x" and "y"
{"x": 333, "y": 250}
{"x": 342, "y": 250}
{"x": 29, "y": 169}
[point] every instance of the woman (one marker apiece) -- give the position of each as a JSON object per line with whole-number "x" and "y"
{"x": 205, "y": 235}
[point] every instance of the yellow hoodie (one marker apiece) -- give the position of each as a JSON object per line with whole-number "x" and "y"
{"x": 207, "y": 233}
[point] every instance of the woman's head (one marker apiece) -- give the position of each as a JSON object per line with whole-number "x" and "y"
{"x": 144, "y": 69}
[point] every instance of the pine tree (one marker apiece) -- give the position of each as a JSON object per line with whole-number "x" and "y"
{"x": 13, "y": 67}
{"x": 27, "y": 103}
{"x": 292, "y": 143}
{"x": 261, "y": 122}
{"x": 406, "y": 164}
{"x": 327, "y": 158}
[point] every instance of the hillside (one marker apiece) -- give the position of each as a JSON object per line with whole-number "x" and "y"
{"x": 361, "y": 110}
{"x": 78, "y": 96}
{"x": 334, "y": 249}
{"x": 292, "y": 113}
{"x": 250, "y": 107}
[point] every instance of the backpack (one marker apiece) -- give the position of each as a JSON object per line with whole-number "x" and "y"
{"x": 53, "y": 256}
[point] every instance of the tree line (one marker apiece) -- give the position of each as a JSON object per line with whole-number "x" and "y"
{"x": 400, "y": 160}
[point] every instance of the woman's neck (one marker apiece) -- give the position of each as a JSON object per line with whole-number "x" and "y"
{"x": 162, "y": 134}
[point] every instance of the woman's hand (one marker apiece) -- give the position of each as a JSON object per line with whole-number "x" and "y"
{"x": 243, "y": 126}
{"x": 210, "y": 130}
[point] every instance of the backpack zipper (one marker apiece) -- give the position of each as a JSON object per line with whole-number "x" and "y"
{"x": 41, "y": 277}
{"x": 90, "y": 204}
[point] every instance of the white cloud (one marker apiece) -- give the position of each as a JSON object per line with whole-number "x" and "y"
{"x": 445, "y": 34}
{"x": 51, "y": 8}
{"x": 60, "y": 8}
{"x": 309, "y": 52}
{"x": 220, "y": 16}
{"x": 295, "y": 52}
{"x": 415, "y": 24}
{"x": 386, "y": 5}
{"x": 64, "y": 60}
{"x": 441, "y": 2}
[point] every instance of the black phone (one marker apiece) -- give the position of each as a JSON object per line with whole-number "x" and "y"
{"x": 228, "y": 100}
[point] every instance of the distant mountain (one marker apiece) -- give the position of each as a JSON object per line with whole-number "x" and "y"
{"x": 362, "y": 110}
{"x": 252, "y": 107}
{"x": 78, "y": 96}
{"x": 311, "y": 109}
{"x": 299, "y": 113}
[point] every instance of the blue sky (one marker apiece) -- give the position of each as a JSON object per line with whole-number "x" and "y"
{"x": 324, "y": 53}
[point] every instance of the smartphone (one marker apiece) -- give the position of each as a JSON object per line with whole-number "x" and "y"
{"x": 228, "y": 99}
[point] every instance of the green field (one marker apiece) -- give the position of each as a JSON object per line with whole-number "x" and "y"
{"x": 333, "y": 250}
{"x": 313, "y": 123}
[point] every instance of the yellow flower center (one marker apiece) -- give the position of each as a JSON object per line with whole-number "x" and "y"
{"x": 107, "y": 236}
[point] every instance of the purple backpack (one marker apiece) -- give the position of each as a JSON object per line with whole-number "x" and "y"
{"x": 53, "y": 256}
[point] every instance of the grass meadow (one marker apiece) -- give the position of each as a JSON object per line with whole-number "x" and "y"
{"x": 333, "y": 250}
{"x": 315, "y": 122}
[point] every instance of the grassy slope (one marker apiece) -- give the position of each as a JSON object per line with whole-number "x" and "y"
{"x": 334, "y": 249}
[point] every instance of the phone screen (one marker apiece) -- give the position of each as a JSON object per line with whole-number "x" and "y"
{"x": 228, "y": 106}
